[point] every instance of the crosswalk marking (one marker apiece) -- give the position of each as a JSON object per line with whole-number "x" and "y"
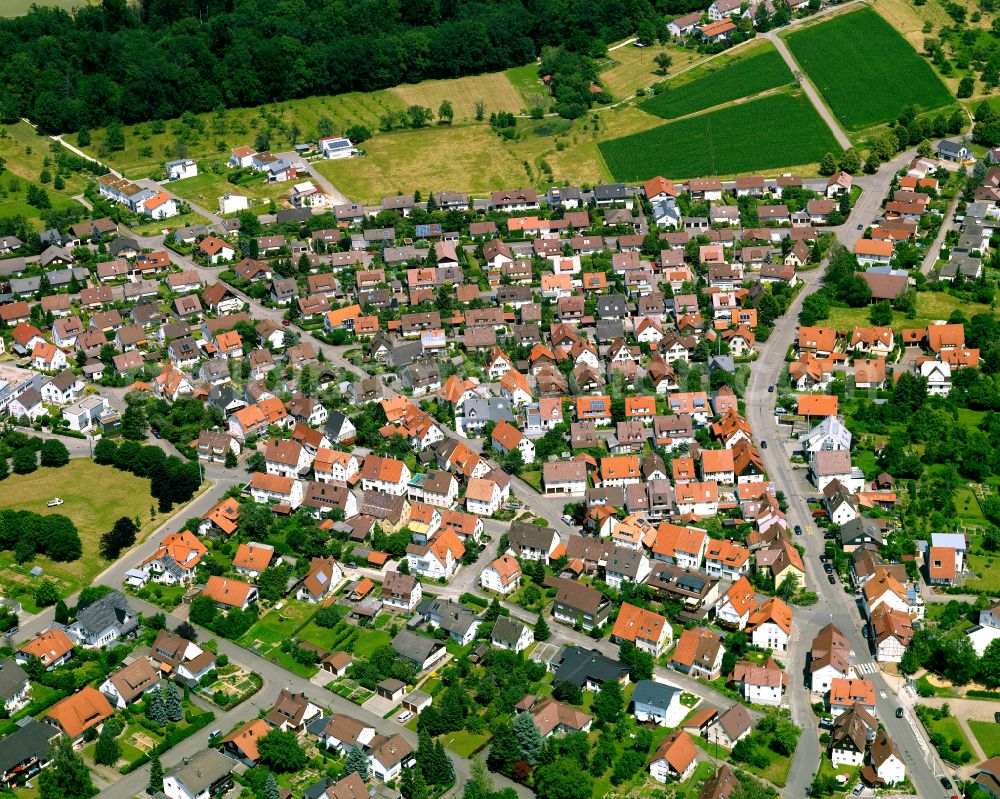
{"x": 867, "y": 668}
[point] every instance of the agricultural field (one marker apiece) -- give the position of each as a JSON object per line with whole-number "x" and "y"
{"x": 749, "y": 73}
{"x": 865, "y": 70}
{"x": 93, "y": 513}
{"x": 494, "y": 89}
{"x": 780, "y": 130}
{"x": 629, "y": 68}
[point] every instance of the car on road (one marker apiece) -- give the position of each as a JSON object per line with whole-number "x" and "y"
{"x": 828, "y": 568}
{"x": 770, "y": 389}
{"x": 798, "y": 530}
{"x": 996, "y": 717}
{"x": 858, "y": 789}
{"x": 52, "y": 503}
{"x": 899, "y": 712}
{"x": 829, "y": 535}
{"x": 567, "y": 519}
{"x": 216, "y": 733}
{"x": 823, "y": 558}
{"x": 861, "y": 227}
{"x": 763, "y": 445}
{"x": 832, "y": 579}
{"x": 780, "y": 410}
{"x": 946, "y": 783}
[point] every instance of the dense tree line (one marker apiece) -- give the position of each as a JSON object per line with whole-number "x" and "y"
{"x": 155, "y": 60}
{"x": 29, "y": 534}
{"x": 171, "y": 479}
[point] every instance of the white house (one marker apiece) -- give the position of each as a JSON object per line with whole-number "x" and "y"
{"x": 207, "y": 774}
{"x": 502, "y": 576}
{"x": 887, "y": 760}
{"x": 233, "y": 203}
{"x": 938, "y": 377}
{"x": 178, "y": 170}
{"x": 85, "y": 414}
{"x": 509, "y": 633}
{"x": 336, "y": 147}
{"x": 484, "y": 497}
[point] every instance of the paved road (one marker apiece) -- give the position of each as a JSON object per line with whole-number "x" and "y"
{"x": 934, "y": 250}
{"x": 809, "y": 89}
{"x": 834, "y": 604}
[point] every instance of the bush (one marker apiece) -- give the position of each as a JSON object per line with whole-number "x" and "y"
{"x": 475, "y": 600}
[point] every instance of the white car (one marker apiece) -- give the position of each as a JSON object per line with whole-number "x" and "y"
{"x": 405, "y": 716}
{"x": 54, "y": 502}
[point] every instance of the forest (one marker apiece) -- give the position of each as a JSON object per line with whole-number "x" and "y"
{"x": 117, "y": 62}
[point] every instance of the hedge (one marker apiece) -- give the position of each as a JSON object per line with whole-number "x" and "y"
{"x": 475, "y": 600}
{"x": 983, "y": 694}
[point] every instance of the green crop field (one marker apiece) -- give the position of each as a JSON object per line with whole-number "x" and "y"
{"x": 775, "y": 131}
{"x": 759, "y": 71}
{"x": 865, "y": 70}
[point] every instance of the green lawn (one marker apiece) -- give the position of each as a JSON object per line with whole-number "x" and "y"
{"x": 952, "y": 731}
{"x": 206, "y": 187}
{"x": 94, "y": 497}
{"x": 360, "y": 640}
{"x": 278, "y": 625}
{"x": 691, "y": 789}
{"x": 865, "y": 70}
{"x": 775, "y": 131}
{"x": 464, "y": 743}
{"x": 742, "y": 76}
{"x": 988, "y": 569}
{"x": 988, "y": 735}
{"x": 931, "y": 306}
{"x": 525, "y": 79}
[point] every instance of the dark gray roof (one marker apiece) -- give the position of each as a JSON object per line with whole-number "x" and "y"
{"x": 29, "y": 741}
{"x": 413, "y": 647}
{"x": 106, "y": 612}
{"x": 203, "y": 770}
{"x": 12, "y": 678}
{"x": 450, "y": 616}
{"x": 656, "y": 694}
{"x": 626, "y": 561}
{"x": 507, "y": 630}
{"x": 581, "y": 665}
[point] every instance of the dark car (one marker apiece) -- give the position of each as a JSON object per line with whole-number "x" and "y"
{"x": 828, "y": 568}
{"x": 899, "y": 712}
{"x": 798, "y": 530}
{"x": 823, "y": 558}
{"x": 996, "y": 717}
{"x": 770, "y": 389}
{"x": 946, "y": 783}
{"x": 861, "y": 227}
{"x": 763, "y": 445}
{"x": 832, "y": 579}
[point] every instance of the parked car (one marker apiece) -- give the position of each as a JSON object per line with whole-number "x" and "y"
{"x": 770, "y": 389}
{"x": 899, "y": 712}
{"x": 763, "y": 445}
{"x": 946, "y": 783}
{"x": 52, "y": 503}
{"x": 798, "y": 530}
{"x": 405, "y": 716}
{"x": 567, "y": 519}
{"x": 832, "y": 579}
